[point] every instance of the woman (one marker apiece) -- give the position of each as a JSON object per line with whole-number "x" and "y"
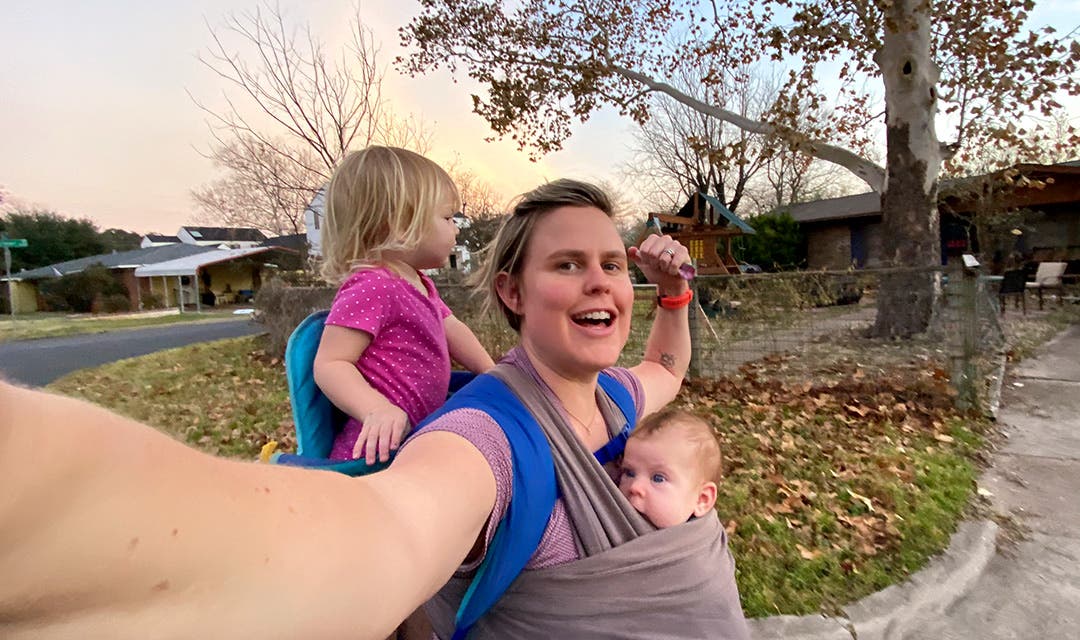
{"x": 119, "y": 531}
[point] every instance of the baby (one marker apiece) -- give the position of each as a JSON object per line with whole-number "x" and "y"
{"x": 671, "y": 467}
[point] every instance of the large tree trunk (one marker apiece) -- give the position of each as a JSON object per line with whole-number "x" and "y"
{"x": 909, "y": 203}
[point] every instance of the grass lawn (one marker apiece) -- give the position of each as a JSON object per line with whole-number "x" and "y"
{"x": 54, "y": 325}
{"x": 834, "y": 488}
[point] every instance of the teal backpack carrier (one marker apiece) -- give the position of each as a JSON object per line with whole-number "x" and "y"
{"x": 534, "y": 488}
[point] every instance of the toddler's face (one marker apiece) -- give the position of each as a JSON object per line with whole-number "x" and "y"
{"x": 662, "y": 479}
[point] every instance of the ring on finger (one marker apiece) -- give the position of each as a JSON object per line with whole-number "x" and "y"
{"x": 670, "y": 252}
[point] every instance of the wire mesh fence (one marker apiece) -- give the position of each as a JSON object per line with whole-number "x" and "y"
{"x": 815, "y": 321}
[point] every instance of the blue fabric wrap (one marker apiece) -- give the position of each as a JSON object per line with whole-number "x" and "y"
{"x": 519, "y": 533}
{"x": 615, "y": 447}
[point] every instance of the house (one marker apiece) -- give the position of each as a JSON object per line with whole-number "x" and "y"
{"x": 220, "y": 276}
{"x": 157, "y": 240}
{"x": 168, "y": 272}
{"x": 847, "y": 231}
{"x": 226, "y": 237}
{"x": 229, "y": 237}
{"x": 313, "y": 220}
{"x": 122, "y": 264}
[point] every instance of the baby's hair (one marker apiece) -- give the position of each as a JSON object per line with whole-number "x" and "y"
{"x": 695, "y": 430}
{"x": 379, "y": 200}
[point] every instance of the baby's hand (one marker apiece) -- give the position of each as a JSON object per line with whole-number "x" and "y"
{"x": 381, "y": 434}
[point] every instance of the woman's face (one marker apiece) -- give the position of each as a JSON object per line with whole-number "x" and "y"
{"x": 574, "y": 294}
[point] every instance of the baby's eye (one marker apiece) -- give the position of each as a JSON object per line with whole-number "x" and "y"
{"x": 658, "y": 478}
{"x": 628, "y": 473}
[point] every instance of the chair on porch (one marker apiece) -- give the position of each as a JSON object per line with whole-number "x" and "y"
{"x": 1013, "y": 283}
{"x": 1048, "y": 278}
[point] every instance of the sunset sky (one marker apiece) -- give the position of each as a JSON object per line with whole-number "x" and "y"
{"x": 95, "y": 120}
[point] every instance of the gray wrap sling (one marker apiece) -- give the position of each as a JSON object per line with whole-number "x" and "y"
{"x": 632, "y": 581}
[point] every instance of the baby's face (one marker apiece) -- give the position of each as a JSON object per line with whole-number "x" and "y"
{"x": 661, "y": 479}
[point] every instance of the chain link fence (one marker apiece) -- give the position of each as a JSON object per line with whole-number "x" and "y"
{"x": 812, "y": 321}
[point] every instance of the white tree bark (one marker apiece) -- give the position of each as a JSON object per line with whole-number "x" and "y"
{"x": 909, "y": 203}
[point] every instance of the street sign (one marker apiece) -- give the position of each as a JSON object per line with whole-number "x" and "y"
{"x": 13, "y": 243}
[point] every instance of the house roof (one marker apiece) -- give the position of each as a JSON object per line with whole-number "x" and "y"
{"x": 157, "y": 237}
{"x": 296, "y": 241}
{"x": 858, "y": 205}
{"x": 188, "y": 265}
{"x": 118, "y": 260}
{"x": 225, "y": 234}
{"x": 869, "y": 204}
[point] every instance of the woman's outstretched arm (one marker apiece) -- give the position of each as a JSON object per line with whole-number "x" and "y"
{"x": 110, "y": 529}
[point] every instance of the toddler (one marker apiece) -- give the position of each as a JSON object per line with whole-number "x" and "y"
{"x": 384, "y": 358}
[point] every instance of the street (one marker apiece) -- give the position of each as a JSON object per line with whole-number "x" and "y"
{"x": 38, "y": 362}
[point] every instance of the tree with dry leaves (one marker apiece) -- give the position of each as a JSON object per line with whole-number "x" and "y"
{"x": 679, "y": 151}
{"x": 547, "y": 64}
{"x": 291, "y": 111}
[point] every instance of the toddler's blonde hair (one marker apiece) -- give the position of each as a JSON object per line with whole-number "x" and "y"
{"x": 380, "y": 200}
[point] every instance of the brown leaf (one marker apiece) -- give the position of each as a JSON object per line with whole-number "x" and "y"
{"x": 857, "y": 410}
{"x": 807, "y": 554}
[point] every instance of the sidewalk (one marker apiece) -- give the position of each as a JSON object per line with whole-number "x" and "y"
{"x": 1028, "y": 588}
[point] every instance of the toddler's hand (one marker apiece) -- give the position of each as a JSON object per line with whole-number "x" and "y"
{"x": 382, "y": 432}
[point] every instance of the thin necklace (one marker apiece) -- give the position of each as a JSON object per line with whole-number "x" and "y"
{"x": 587, "y": 425}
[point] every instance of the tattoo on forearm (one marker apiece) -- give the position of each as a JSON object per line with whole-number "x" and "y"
{"x": 668, "y": 360}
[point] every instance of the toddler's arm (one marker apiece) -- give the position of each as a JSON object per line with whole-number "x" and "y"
{"x": 465, "y": 348}
{"x": 336, "y": 374}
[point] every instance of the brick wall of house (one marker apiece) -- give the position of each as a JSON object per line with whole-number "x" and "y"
{"x": 829, "y": 246}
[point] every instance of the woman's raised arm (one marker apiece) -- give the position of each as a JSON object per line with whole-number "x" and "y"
{"x": 667, "y": 349}
{"x": 112, "y": 529}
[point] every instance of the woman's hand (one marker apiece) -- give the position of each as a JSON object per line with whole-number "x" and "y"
{"x": 659, "y": 258}
{"x": 382, "y": 431}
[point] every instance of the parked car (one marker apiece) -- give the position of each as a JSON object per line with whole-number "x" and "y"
{"x": 745, "y": 267}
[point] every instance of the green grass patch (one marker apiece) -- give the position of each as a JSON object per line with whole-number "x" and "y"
{"x": 223, "y": 397}
{"x": 52, "y": 325}
{"x": 837, "y": 488}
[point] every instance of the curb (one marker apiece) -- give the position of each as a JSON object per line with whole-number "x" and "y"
{"x": 892, "y": 612}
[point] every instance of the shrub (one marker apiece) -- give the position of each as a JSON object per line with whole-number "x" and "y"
{"x": 78, "y": 291}
{"x": 152, "y": 301}
{"x": 280, "y": 308}
{"x": 115, "y": 303}
{"x": 778, "y": 244}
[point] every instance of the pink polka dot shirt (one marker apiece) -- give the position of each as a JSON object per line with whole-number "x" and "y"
{"x": 408, "y": 360}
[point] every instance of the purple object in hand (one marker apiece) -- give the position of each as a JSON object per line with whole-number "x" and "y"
{"x": 687, "y": 269}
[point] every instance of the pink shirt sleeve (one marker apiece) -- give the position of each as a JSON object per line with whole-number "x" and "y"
{"x": 364, "y": 302}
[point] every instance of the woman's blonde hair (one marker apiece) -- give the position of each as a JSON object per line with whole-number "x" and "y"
{"x": 380, "y": 200}
{"x": 506, "y": 252}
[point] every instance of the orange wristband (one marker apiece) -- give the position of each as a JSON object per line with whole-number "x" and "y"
{"x": 675, "y": 302}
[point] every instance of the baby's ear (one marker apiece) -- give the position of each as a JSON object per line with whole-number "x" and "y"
{"x": 706, "y": 501}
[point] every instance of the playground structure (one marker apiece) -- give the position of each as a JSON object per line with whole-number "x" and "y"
{"x": 706, "y": 227}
